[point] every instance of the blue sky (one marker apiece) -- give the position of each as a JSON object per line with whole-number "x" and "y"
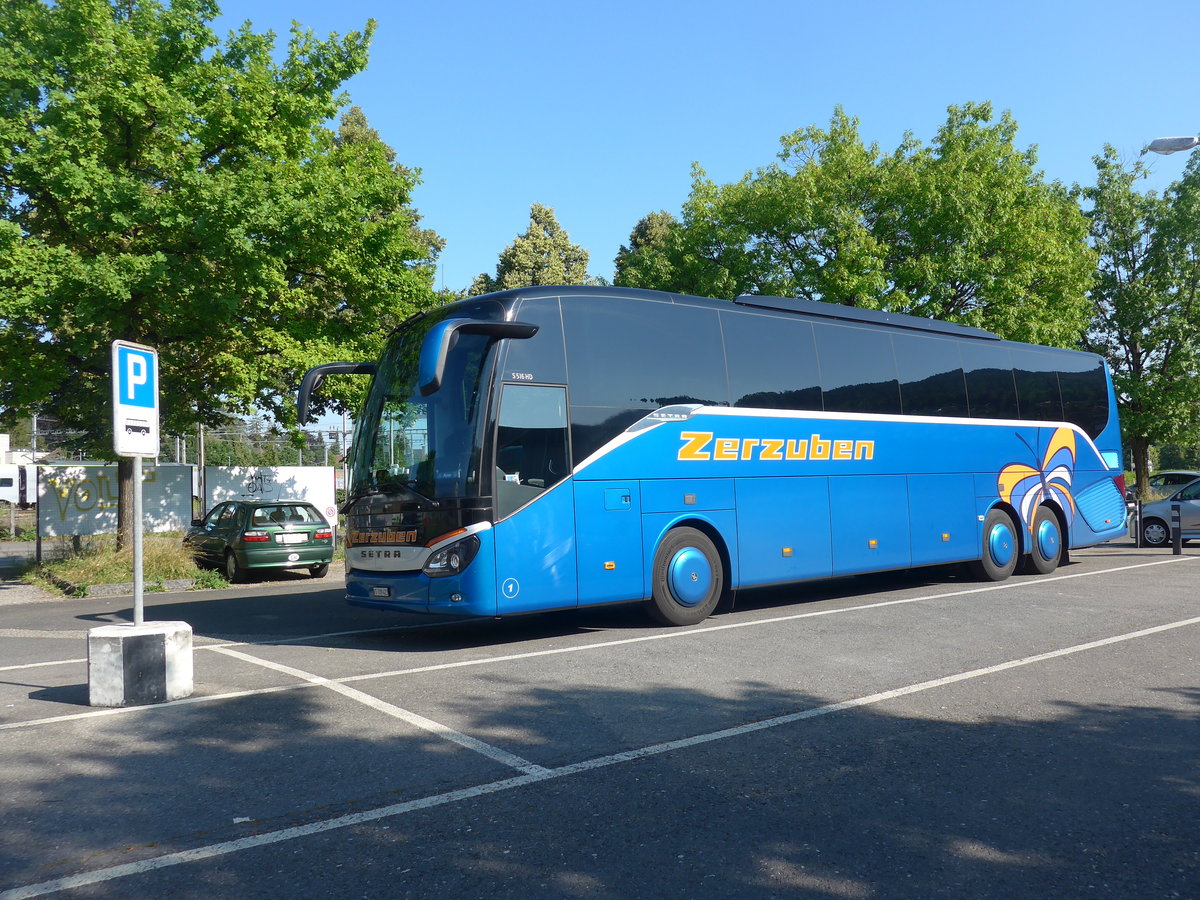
{"x": 599, "y": 109}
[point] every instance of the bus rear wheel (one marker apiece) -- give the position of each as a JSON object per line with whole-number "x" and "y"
{"x": 1046, "y": 550}
{"x": 688, "y": 578}
{"x": 1000, "y": 548}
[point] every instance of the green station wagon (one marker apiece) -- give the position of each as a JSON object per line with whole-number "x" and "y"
{"x": 243, "y": 535}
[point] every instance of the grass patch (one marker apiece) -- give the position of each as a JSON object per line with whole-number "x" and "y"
{"x": 95, "y": 560}
{"x": 22, "y": 534}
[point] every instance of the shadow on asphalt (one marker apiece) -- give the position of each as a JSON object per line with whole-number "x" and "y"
{"x": 877, "y": 803}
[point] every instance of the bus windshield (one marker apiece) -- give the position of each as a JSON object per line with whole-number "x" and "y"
{"x": 422, "y": 447}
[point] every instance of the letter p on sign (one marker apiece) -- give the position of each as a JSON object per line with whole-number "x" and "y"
{"x": 136, "y": 376}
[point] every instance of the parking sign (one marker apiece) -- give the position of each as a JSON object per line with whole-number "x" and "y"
{"x": 135, "y": 399}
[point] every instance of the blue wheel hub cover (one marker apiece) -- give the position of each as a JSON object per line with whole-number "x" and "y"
{"x": 689, "y": 576}
{"x": 1001, "y": 545}
{"x": 1047, "y": 539}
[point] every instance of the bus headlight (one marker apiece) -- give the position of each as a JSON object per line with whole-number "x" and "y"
{"x": 452, "y": 559}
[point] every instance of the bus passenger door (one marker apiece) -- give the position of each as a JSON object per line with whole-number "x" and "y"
{"x": 535, "y": 510}
{"x": 608, "y": 528}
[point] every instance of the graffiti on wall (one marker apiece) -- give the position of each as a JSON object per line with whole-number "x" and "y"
{"x": 83, "y": 500}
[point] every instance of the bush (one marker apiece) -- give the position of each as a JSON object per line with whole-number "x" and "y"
{"x": 209, "y": 579}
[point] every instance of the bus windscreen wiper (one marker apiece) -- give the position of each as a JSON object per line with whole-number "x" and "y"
{"x": 386, "y": 489}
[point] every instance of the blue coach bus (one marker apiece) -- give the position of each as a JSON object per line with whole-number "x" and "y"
{"x": 556, "y": 447}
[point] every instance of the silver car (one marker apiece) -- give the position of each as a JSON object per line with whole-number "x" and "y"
{"x": 1163, "y": 484}
{"x": 1156, "y": 516}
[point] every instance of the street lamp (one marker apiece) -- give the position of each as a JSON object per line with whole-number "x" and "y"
{"x": 1172, "y": 144}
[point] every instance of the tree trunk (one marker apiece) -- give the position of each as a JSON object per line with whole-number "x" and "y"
{"x": 1141, "y": 466}
{"x": 124, "y": 502}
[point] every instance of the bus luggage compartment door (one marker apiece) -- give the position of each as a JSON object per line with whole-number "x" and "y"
{"x": 869, "y": 523}
{"x": 783, "y": 529}
{"x": 608, "y": 538}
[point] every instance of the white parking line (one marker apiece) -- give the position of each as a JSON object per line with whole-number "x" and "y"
{"x": 443, "y": 731}
{"x": 82, "y": 633}
{"x": 224, "y": 848}
{"x": 673, "y": 634}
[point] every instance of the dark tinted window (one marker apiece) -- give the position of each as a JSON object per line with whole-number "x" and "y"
{"x": 531, "y": 444}
{"x": 540, "y": 358}
{"x": 1084, "y": 392}
{"x": 931, "y": 376}
{"x": 594, "y": 426}
{"x": 1036, "y": 373}
{"x": 858, "y": 369}
{"x": 643, "y": 354}
{"x": 772, "y": 362}
{"x": 991, "y": 392}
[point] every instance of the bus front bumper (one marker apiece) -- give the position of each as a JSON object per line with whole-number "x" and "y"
{"x": 472, "y": 592}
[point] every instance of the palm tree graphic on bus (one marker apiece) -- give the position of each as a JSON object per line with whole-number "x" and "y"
{"x": 1028, "y": 487}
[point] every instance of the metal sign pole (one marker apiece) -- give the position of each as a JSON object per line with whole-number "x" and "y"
{"x": 138, "y": 605}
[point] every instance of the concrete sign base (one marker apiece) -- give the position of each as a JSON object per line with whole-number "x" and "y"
{"x": 134, "y": 665}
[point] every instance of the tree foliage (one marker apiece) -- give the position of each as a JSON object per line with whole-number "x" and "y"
{"x": 1145, "y": 318}
{"x": 965, "y": 229}
{"x": 543, "y": 254}
{"x": 160, "y": 186}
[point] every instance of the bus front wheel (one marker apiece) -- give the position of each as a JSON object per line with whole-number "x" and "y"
{"x": 1001, "y": 548}
{"x": 688, "y": 578}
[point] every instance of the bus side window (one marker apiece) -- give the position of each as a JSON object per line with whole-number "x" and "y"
{"x": 531, "y": 444}
{"x": 931, "y": 376}
{"x": 858, "y": 369}
{"x": 1084, "y": 392}
{"x": 991, "y": 389}
{"x": 1038, "y": 395}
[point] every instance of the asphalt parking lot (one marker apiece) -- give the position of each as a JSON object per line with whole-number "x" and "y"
{"x": 912, "y": 735}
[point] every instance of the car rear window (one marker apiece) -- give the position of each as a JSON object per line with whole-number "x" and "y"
{"x": 285, "y": 514}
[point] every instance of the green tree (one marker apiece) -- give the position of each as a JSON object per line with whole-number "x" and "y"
{"x": 543, "y": 254}
{"x": 649, "y": 258}
{"x": 965, "y": 230}
{"x": 160, "y": 186}
{"x": 1145, "y": 319}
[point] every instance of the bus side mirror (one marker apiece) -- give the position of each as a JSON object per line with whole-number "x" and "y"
{"x": 432, "y": 365}
{"x": 315, "y": 377}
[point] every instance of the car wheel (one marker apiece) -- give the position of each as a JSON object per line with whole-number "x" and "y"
{"x": 234, "y": 573}
{"x": 1046, "y": 550}
{"x": 1155, "y": 533}
{"x": 1000, "y": 548}
{"x": 319, "y": 571}
{"x": 688, "y": 578}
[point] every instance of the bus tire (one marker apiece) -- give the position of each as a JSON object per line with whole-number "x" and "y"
{"x": 1045, "y": 552}
{"x": 1001, "y": 548}
{"x": 688, "y": 578}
